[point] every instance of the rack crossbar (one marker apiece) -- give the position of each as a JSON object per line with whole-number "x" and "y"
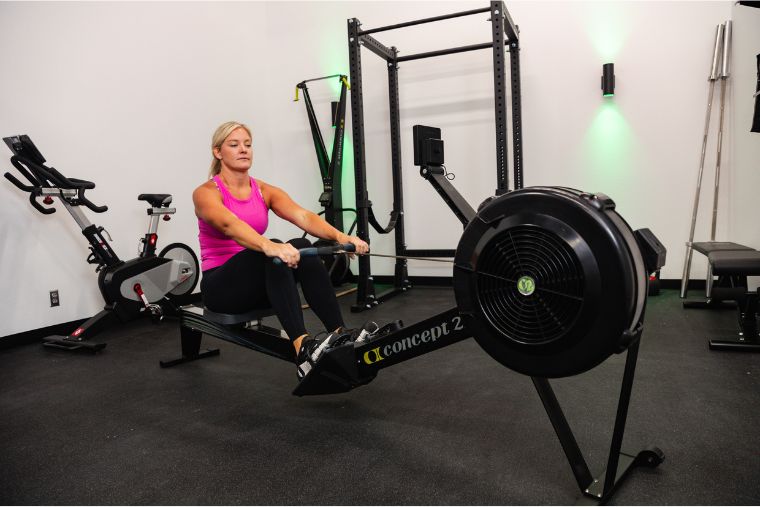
{"x": 426, "y": 20}
{"x": 377, "y": 47}
{"x": 441, "y": 52}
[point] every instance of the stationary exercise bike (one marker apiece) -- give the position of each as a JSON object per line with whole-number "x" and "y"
{"x": 149, "y": 284}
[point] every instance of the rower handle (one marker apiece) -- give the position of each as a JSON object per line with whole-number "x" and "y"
{"x": 314, "y": 251}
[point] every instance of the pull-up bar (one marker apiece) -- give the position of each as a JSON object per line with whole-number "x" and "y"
{"x": 421, "y": 21}
{"x": 451, "y": 51}
{"x": 342, "y": 76}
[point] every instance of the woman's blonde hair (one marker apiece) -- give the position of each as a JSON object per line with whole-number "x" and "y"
{"x": 224, "y": 130}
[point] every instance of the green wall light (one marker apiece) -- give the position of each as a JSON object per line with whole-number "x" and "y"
{"x": 608, "y": 80}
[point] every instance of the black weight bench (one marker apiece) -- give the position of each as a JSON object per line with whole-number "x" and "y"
{"x": 246, "y": 329}
{"x": 737, "y": 265}
{"x": 713, "y": 300}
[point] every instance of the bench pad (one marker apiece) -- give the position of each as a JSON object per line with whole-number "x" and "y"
{"x": 706, "y": 247}
{"x": 736, "y": 262}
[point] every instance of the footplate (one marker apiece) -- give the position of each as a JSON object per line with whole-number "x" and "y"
{"x": 334, "y": 372}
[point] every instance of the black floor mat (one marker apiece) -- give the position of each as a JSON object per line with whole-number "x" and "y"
{"x": 450, "y": 427}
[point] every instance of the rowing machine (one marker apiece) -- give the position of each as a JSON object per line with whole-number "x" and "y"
{"x": 550, "y": 281}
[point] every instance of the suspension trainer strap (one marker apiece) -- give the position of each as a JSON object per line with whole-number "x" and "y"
{"x": 339, "y": 122}
{"x": 376, "y": 225}
{"x": 316, "y": 134}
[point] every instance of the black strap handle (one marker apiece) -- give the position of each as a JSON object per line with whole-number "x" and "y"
{"x": 379, "y": 228}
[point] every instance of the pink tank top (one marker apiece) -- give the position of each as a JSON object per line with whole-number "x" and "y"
{"x": 216, "y": 248}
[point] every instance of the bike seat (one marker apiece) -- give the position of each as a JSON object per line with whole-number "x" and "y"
{"x": 156, "y": 200}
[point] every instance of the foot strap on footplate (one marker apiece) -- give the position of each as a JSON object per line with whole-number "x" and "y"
{"x": 335, "y": 372}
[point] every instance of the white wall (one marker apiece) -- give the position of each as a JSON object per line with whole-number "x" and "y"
{"x": 125, "y": 95}
{"x": 128, "y": 94}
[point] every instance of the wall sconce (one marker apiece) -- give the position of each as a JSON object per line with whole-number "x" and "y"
{"x": 608, "y": 79}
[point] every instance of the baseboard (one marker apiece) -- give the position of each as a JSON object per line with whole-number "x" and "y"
{"x": 35, "y": 335}
{"x": 676, "y": 284}
{"x": 64, "y": 328}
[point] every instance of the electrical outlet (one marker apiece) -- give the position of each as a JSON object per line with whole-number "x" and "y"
{"x": 54, "y": 301}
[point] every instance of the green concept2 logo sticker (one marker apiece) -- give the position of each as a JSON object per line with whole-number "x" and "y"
{"x": 526, "y": 285}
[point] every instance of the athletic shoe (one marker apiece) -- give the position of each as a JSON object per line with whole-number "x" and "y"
{"x": 313, "y": 348}
{"x": 357, "y": 335}
{"x": 371, "y": 331}
{"x": 304, "y": 361}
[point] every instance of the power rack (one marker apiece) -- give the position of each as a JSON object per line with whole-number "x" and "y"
{"x": 503, "y": 33}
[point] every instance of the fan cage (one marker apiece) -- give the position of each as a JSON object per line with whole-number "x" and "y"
{"x": 546, "y": 305}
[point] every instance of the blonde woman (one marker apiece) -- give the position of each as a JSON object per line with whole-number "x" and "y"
{"x": 237, "y": 259}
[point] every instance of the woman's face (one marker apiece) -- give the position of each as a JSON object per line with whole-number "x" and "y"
{"x": 236, "y": 152}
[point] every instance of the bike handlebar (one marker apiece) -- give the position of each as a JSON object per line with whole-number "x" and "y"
{"x": 94, "y": 207}
{"x": 41, "y": 176}
{"x": 314, "y": 251}
{"x": 33, "y": 193}
{"x": 15, "y": 181}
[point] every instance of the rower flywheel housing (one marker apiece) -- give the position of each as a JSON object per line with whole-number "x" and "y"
{"x": 550, "y": 280}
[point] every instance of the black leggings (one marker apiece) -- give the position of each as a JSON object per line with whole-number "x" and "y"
{"x": 251, "y": 280}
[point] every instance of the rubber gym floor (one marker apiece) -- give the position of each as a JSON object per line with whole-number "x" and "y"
{"x": 449, "y": 427}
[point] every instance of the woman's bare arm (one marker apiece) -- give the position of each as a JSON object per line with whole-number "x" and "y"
{"x": 287, "y": 209}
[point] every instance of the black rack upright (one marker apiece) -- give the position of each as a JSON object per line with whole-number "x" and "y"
{"x": 504, "y": 33}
